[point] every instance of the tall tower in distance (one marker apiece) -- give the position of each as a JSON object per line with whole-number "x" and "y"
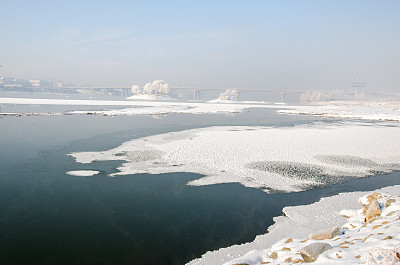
{"x": 357, "y": 85}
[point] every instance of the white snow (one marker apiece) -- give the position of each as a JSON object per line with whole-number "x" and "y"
{"x": 150, "y": 97}
{"x": 137, "y": 107}
{"x": 346, "y": 109}
{"x": 388, "y": 111}
{"x": 164, "y": 109}
{"x": 30, "y": 114}
{"x": 285, "y": 159}
{"x": 83, "y": 173}
{"x": 360, "y": 242}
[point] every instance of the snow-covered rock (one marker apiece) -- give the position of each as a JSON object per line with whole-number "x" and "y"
{"x": 362, "y": 242}
{"x": 373, "y": 210}
{"x": 325, "y": 234}
{"x": 311, "y": 252}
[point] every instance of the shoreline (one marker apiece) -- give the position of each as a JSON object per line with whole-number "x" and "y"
{"x": 297, "y": 223}
{"x": 378, "y": 110}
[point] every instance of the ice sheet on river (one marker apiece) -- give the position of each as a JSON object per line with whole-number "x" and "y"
{"x": 140, "y": 107}
{"x": 83, "y": 173}
{"x": 366, "y": 110}
{"x": 272, "y": 159}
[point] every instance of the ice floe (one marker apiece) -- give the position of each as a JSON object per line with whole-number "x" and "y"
{"x": 83, "y": 173}
{"x": 287, "y": 159}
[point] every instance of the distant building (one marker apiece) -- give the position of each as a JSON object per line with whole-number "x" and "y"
{"x": 7, "y": 81}
{"x": 35, "y": 83}
{"x": 22, "y": 83}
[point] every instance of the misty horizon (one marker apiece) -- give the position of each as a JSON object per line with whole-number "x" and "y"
{"x": 271, "y": 45}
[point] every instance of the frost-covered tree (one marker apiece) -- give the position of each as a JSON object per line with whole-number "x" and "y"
{"x": 158, "y": 87}
{"x": 229, "y": 94}
{"x": 136, "y": 90}
{"x": 322, "y": 95}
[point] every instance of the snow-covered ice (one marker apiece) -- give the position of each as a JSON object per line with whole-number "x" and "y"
{"x": 150, "y": 97}
{"x": 163, "y": 109}
{"x": 285, "y": 159}
{"x": 389, "y": 111}
{"x": 347, "y": 109}
{"x": 17, "y": 114}
{"x": 138, "y": 107}
{"x": 83, "y": 173}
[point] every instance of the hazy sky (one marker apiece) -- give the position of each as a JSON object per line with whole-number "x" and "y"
{"x": 321, "y": 44}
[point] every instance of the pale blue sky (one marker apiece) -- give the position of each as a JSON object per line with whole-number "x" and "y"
{"x": 322, "y": 44}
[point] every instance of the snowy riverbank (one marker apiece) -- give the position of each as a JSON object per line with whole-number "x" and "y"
{"x": 367, "y": 110}
{"x": 136, "y": 107}
{"x": 358, "y": 242}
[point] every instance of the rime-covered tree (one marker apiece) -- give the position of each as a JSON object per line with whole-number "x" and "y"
{"x": 158, "y": 87}
{"x": 229, "y": 94}
{"x": 136, "y": 90}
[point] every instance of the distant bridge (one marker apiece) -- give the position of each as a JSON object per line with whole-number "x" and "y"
{"x": 197, "y": 90}
{"x": 283, "y": 93}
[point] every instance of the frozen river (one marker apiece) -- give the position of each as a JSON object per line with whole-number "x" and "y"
{"x": 50, "y": 217}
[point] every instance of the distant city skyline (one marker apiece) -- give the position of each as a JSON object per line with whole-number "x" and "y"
{"x": 254, "y": 44}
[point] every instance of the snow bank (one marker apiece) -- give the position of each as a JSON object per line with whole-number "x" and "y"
{"x": 150, "y": 97}
{"x": 388, "y": 111}
{"x": 272, "y": 159}
{"x": 170, "y": 109}
{"x": 17, "y": 114}
{"x": 361, "y": 242}
{"x": 297, "y": 222}
{"x": 83, "y": 173}
{"x": 138, "y": 107}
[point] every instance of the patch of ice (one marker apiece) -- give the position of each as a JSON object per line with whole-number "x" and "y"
{"x": 83, "y": 173}
{"x": 150, "y": 97}
{"x": 384, "y": 111}
{"x": 272, "y": 159}
{"x": 137, "y": 107}
{"x": 17, "y": 114}
{"x": 189, "y": 108}
{"x": 387, "y": 111}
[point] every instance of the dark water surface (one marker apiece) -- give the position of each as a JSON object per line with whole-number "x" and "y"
{"x": 48, "y": 217}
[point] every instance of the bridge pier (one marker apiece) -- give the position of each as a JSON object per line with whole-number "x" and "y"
{"x": 196, "y": 93}
{"x": 283, "y": 97}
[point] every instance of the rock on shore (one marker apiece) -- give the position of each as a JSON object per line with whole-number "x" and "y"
{"x": 370, "y": 236}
